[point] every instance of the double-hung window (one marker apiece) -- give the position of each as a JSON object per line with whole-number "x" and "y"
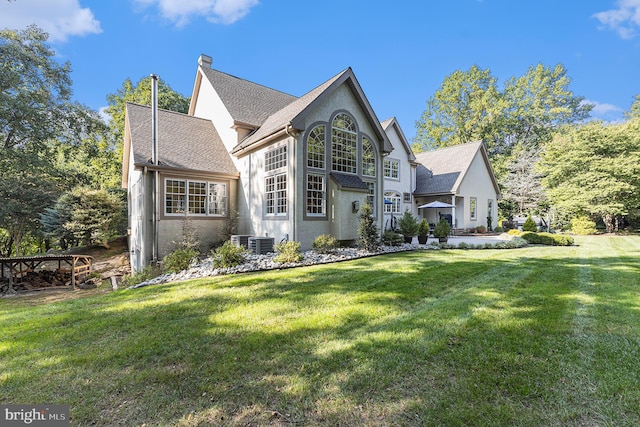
{"x": 391, "y": 168}
{"x": 275, "y": 165}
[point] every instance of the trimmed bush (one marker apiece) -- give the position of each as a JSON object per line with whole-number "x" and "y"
{"x": 514, "y": 232}
{"x": 288, "y": 252}
{"x": 548, "y": 239}
{"x": 228, "y": 255}
{"x": 583, "y": 226}
{"x": 391, "y": 238}
{"x": 529, "y": 225}
{"x": 178, "y": 260}
{"x": 325, "y": 244}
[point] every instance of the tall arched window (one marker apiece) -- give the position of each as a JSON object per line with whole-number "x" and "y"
{"x": 315, "y": 147}
{"x": 344, "y": 144}
{"x": 368, "y": 158}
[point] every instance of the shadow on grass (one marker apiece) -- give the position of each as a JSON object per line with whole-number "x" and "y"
{"x": 416, "y": 338}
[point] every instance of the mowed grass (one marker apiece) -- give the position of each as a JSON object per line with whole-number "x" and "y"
{"x": 533, "y": 336}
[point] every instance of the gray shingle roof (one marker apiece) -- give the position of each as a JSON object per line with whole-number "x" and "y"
{"x": 349, "y": 181}
{"x": 247, "y": 102}
{"x": 441, "y": 171}
{"x": 184, "y": 142}
{"x": 280, "y": 118}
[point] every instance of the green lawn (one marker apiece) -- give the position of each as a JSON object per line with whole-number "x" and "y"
{"x": 532, "y": 336}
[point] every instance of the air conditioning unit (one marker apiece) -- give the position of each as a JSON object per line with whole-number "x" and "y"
{"x": 240, "y": 240}
{"x": 261, "y": 245}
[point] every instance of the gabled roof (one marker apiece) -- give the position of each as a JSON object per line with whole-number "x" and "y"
{"x": 442, "y": 171}
{"x": 184, "y": 142}
{"x": 393, "y": 123}
{"x": 247, "y": 102}
{"x": 294, "y": 114}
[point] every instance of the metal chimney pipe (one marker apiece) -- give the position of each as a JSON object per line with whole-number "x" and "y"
{"x": 154, "y": 119}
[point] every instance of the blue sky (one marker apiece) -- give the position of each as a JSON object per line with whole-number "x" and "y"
{"x": 400, "y": 51}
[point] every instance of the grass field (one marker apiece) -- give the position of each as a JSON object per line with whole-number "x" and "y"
{"x": 532, "y": 336}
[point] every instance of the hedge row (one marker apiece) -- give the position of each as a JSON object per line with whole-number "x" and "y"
{"x": 547, "y": 238}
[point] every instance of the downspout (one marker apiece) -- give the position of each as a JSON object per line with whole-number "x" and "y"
{"x": 154, "y": 160}
{"x": 293, "y": 184}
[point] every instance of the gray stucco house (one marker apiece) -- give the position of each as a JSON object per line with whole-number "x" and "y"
{"x": 291, "y": 167}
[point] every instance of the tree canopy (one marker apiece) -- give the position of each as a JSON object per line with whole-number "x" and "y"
{"x": 594, "y": 169}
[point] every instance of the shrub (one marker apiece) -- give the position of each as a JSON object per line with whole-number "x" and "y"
{"x": 408, "y": 224}
{"x": 147, "y": 273}
{"x": 529, "y": 225}
{"x": 514, "y": 232}
{"x": 228, "y": 255}
{"x": 368, "y": 238}
{"x": 391, "y": 238}
{"x": 325, "y": 244}
{"x": 178, "y": 260}
{"x": 498, "y": 229}
{"x": 481, "y": 229}
{"x": 583, "y": 226}
{"x": 288, "y": 252}
{"x": 442, "y": 229}
{"x": 547, "y": 239}
{"x": 423, "y": 228}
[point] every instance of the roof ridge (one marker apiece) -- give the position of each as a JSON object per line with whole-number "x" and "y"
{"x": 252, "y": 82}
{"x": 167, "y": 111}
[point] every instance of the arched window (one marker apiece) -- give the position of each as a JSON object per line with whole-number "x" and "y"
{"x": 315, "y": 147}
{"x": 344, "y": 144}
{"x": 368, "y": 158}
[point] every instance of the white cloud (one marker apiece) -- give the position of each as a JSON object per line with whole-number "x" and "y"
{"x": 218, "y": 11}
{"x": 60, "y": 18}
{"x": 625, "y": 20}
{"x": 604, "y": 111}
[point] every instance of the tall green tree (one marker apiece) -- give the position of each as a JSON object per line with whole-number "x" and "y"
{"x": 41, "y": 128}
{"x": 140, "y": 93}
{"x": 594, "y": 169}
{"x": 464, "y": 109}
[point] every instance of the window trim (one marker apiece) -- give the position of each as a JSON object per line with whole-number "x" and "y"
{"x": 473, "y": 208}
{"x": 396, "y": 201}
{"x": 322, "y": 199}
{"x": 186, "y": 195}
{"x": 390, "y": 169}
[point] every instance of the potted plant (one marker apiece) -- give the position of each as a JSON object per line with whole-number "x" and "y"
{"x": 423, "y": 231}
{"x": 408, "y": 226}
{"x": 442, "y": 231}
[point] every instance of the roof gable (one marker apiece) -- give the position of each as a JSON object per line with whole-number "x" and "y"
{"x": 295, "y": 113}
{"x": 392, "y": 123}
{"x": 184, "y": 142}
{"x": 247, "y": 102}
{"x": 442, "y": 171}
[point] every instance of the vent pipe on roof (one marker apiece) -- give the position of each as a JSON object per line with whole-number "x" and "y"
{"x": 154, "y": 119}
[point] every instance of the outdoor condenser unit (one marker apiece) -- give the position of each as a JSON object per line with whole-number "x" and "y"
{"x": 261, "y": 245}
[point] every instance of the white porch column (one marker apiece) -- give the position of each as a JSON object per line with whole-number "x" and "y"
{"x": 453, "y": 211}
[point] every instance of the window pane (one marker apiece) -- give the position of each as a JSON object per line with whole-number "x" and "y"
{"x": 217, "y": 199}
{"x": 315, "y": 194}
{"x": 315, "y": 148}
{"x": 197, "y": 197}
{"x": 175, "y": 196}
{"x": 344, "y": 144}
{"x": 368, "y": 158}
{"x": 275, "y": 158}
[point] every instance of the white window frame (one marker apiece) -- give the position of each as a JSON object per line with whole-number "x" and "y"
{"x": 316, "y": 158}
{"x": 190, "y": 199}
{"x": 344, "y": 146}
{"x": 316, "y": 195}
{"x": 473, "y": 208}
{"x": 390, "y": 171}
{"x": 396, "y": 202}
{"x": 368, "y": 150}
{"x": 276, "y": 195}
